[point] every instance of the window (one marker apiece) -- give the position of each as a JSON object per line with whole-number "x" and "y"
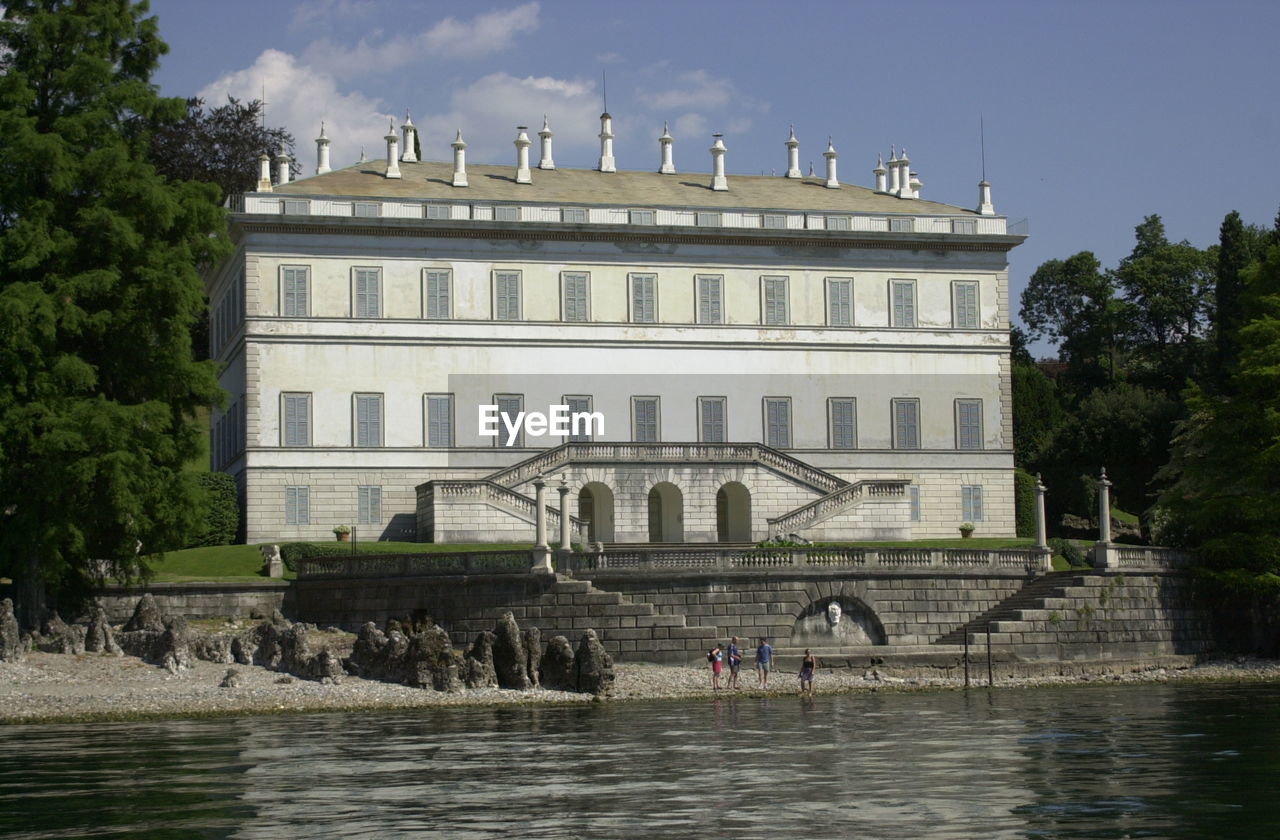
{"x": 774, "y": 221}
{"x": 964, "y": 225}
{"x": 839, "y": 223}
{"x": 644, "y": 419}
{"x": 296, "y": 428}
{"x": 897, "y": 225}
{"x": 968, "y": 424}
{"x": 295, "y": 291}
{"x": 369, "y": 505}
{"x": 964, "y": 306}
{"x": 297, "y": 505}
{"x": 709, "y": 220}
{"x": 509, "y": 407}
{"x": 439, "y": 211}
{"x": 971, "y": 502}
{"x": 913, "y": 499}
{"x": 644, "y": 298}
{"x": 775, "y": 299}
{"x": 710, "y": 302}
{"x": 641, "y": 217}
{"x": 711, "y": 419}
{"x": 367, "y": 210}
{"x": 506, "y": 295}
{"x": 902, "y": 299}
{"x": 297, "y": 207}
{"x": 368, "y": 420}
{"x": 439, "y": 288}
{"x": 579, "y": 405}
{"x": 506, "y": 214}
{"x": 839, "y": 302}
{"x": 777, "y": 422}
{"x": 574, "y": 301}
{"x": 906, "y": 424}
{"x": 368, "y": 292}
{"x": 574, "y": 215}
{"x": 439, "y": 420}
{"x": 843, "y": 419}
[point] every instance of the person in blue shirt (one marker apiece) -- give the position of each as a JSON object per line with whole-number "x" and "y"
{"x": 764, "y": 662}
{"x": 735, "y": 662}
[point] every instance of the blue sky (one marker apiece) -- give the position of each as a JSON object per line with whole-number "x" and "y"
{"x": 1096, "y": 114}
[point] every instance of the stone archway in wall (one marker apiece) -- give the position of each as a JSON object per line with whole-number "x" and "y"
{"x": 595, "y": 504}
{"x": 733, "y": 513}
{"x": 838, "y": 621}
{"x": 666, "y": 513}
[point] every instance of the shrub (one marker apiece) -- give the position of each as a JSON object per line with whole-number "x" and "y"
{"x": 1024, "y": 503}
{"x": 223, "y": 517}
{"x": 1069, "y": 551}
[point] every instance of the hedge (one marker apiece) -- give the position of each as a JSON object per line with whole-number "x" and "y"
{"x": 1024, "y": 503}
{"x": 223, "y": 519}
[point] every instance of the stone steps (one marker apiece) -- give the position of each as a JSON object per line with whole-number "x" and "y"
{"x": 1031, "y": 596}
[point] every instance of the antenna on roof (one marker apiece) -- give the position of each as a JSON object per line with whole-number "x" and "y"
{"x": 982, "y": 139}
{"x": 604, "y": 87}
{"x": 264, "y": 105}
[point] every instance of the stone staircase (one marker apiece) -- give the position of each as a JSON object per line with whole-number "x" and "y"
{"x": 1030, "y": 596}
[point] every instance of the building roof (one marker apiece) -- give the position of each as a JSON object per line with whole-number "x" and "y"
{"x": 432, "y": 180}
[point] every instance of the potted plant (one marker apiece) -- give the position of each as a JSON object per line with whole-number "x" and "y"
{"x": 966, "y": 529}
{"x": 343, "y": 532}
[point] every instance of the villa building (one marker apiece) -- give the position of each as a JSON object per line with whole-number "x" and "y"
{"x": 747, "y": 355}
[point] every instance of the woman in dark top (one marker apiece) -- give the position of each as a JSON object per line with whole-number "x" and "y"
{"x": 806, "y": 672}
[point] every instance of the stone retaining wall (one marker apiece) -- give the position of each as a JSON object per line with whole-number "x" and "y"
{"x": 200, "y": 600}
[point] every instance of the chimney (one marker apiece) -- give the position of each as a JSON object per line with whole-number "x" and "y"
{"x": 459, "y": 161}
{"x": 665, "y": 141}
{"x": 322, "y": 152}
{"x": 833, "y": 183}
{"x": 410, "y": 132}
{"x": 718, "y": 182}
{"x": 916, "y": 184}
{"x": 879, "y": 172}
{"x": 893, "y": 171}
{"x": 606, "y": 144}
{"x": 985, "y": 207}
{"x": 264, "y": 172}
{"x": 522, "y": 155}
{"x": 904, "y": 175}
{"x": 282, "y": 166}
{"x": 363, "y": 156}
{"x": 545, "y": 135}
{"x": 793, "y": 155}
{"x": 393, "y": 162}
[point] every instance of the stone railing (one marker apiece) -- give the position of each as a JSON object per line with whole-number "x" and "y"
{"x": 715, "y": 559}
{"x": 640, "y": 453}
{"x": 834, "y": 502}
{"x": 415, "y": 565}
{"x": 487, "y": 492}
{"x": 1151, "y": 558}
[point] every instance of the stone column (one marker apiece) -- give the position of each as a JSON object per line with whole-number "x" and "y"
{"x": 584, "y": 532}
{"x": 541, "y": 551}
{"x": 566, "y": 544}
{"x": 1042, "y": 535}
{"x": 1104, "y": 551}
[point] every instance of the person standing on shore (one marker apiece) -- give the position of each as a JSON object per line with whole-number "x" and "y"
{"x": 715, "y": 657}
{"x": 735, "y": 662}
{"x": 764, "y": 662}
{"x": 807, "y": 666}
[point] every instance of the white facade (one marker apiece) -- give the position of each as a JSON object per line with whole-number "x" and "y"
{"x": 864, "y": 337}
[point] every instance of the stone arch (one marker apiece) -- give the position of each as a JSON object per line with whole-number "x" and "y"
{"x": 595, "y": 503}
{"x": 733, "y": 513}
{"x": 858, "y": 624}
{"x": 666, "y": 513}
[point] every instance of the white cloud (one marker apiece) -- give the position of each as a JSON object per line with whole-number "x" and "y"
{"x": 299, "y": 98}
{"x": 484, "y": 34}
{"x": 691, "y": 127}
{"x": 316, "y": 14}
{"x": 694, "y": 89}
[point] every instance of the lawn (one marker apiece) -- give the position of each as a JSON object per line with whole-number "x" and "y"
{"x": 957, "y": 542}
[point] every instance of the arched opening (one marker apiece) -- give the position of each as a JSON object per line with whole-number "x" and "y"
{"x": 595, "y": 504}
{"x": 666, "y": 513}
{"x": 733, "y": 513}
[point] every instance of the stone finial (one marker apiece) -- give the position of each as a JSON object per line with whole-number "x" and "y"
{"x": 459, "y": 161}
{"x": 894, "y": 173}
{"x": 393, "y": 158}
{"x": 410, "y": 132}
{"x": 607, "y": 163}
{"x": 915, "y": 183}
{"x": 719, "y": 182}
{"x": 904, "y": 175}
{"x": 793, "y": 155}
{"x": 322, "y": 152}
{"x": 667, "y": 167}
{"x": 880, "y": 173}
{"x": 833, "y": 183}
{"x": 523, "y": 176}
{"x": 282, "y": 166}
{"x": 264, "y": 172}
{"x": 545, "y": 136}
{"x": 985, "y": 207}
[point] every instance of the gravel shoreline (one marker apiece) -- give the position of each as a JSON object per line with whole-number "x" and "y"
{"x": 59, "y": 688}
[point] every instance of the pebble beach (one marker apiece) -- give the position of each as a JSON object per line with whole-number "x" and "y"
{"x": 51, "y": 688}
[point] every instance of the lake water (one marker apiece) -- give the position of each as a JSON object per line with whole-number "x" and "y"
{"x": 1119, "y": 761}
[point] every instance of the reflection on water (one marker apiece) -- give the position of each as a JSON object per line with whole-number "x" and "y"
{"x": 1154, "y": 761}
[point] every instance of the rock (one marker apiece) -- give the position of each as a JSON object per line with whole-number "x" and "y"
{"x": 257, "y": 614}
{"x": 509, "y": 660}
{"x": 556, "y": 668}
{"x": 278, "y": 619}
{"x": 146, "y": 616}
{"x": 231, "y": 679}
{"x": 11, "y": 647}
{"x": 98, "y": 637}
{"x": 425, "y": 660}
{"x": 593, "y": 667}
{"x": 174, "y": 652}
{"x": 285, "y": 680}
{"x": 213, "y": 647}
{"x": 479, "y": 671}
{"x": 60, "y": 637}
{"x": 532, "y": 654}
{"x": 435, "y": 662}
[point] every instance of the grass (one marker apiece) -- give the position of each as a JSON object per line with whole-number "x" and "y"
{"x": 959, "y": 542}
{"x": 1122, "y": 516}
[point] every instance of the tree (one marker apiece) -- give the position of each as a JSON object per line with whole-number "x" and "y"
{"x": 1073, "y": 302}
{"x": 1239, "y": 245}
{"x": 99, "y": 289}
{"x": 219, "y": 145}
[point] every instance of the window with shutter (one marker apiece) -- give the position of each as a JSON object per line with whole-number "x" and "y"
{"x": 844, "y": 423}
{"x": 509, "y": 407}
{"x": 439, "y": 211}
{"x": 971, "y": 503}
{"x": 574, "y": 215}
{"x": 439, "y": 420}
{"x": 296, "y": 428}
{"x": 506, "y": 214}
{"x": 642, "y": 217}
{"x": 369, "y": 505}
{"x": 964, "y": 306}
{"x": 368, "y": 293}
{"x": 777, "y": 413}
{"x": 968, "y": 424}
{"x": 644, "y": 298}
{"x": 839, "y": 302}
{"x": 297, "y": 505}
{"x": 710, "y": 303}
{"x": 439, "y": 289}
{"x": 774, "y": 221}
{"x": 913, "y": 497}
{"x": 906, "y": 424}
{"x": 368, "y": 420}
{"x": 296, "y": 293}
{"x": 644, "y": 411}
{"x": 903, "y": 304}
{"x": 367, "y": 210}
{"x": 579, "y": 405}
{"x": 775, "y": 300}
{"x": 506, "y": 295}
{"x": 839, "y": 223}
{"x": 575, "y": 305}
{"x": 711, "y": 419}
